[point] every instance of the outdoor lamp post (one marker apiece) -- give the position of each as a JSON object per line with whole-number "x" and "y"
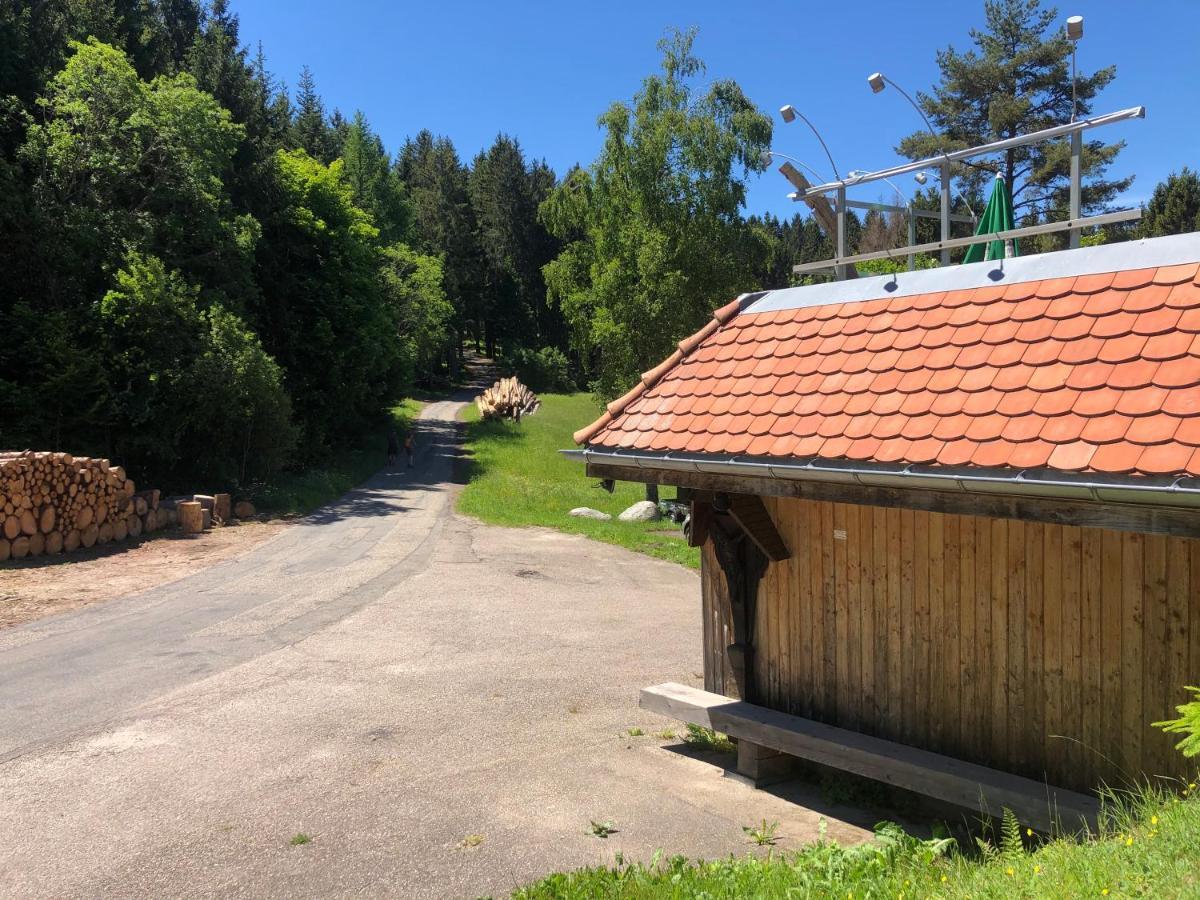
{"x": 789, "y": 113}
{"x": 1074, "y": 33}
{"x": 878, "y": 82}
{"x": 766, "y": 158}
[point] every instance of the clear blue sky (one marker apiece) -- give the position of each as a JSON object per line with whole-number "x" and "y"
{"x": 544, "y": 71}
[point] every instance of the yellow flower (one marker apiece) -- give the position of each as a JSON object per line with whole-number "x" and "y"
{"x": 1029, "y": 832}
{"x": 1154, "y": 820}
{"x": 1036, "y": 869}
{"x": 1104, "y": 892}
{"x": 944, "y": 879}
{"x": 1008, "y": 871}
{"x": 1153, "y": 833}
{"x": 1129, "y": 841}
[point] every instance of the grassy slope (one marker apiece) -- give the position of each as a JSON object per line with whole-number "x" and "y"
{"x": 302, "y": 492}
{"x": 1150, "y": 850}
{"x": 518, "y": 478}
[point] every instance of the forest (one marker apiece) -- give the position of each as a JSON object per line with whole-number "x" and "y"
{"x": 208, "y": 275}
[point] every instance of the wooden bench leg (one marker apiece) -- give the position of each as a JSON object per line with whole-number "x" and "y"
{"x": 761, "y": 765}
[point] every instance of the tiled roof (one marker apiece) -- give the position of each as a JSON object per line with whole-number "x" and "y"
{"x": 1093, "y": 372}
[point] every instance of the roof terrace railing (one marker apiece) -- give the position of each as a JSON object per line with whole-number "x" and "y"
{"x": 812, "y": 194}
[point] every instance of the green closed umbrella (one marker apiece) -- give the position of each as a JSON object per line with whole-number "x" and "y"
{"x": 998, "y": 216}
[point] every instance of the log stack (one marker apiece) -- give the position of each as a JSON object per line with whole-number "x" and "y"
{"x": 51, "y": 502}
{"x": 507, "y": 399}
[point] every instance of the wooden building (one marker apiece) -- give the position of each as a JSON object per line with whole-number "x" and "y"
{"x": 954, "y": 514}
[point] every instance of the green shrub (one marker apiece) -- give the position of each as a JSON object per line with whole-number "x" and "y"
{"x": 543, "y": 371}
{"x": 1188, "y": 724}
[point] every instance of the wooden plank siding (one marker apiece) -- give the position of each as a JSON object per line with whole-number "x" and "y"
{"x": 1039, "y": 648}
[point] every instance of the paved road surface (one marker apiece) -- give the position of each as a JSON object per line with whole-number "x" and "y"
{"x": 385, "y": 677}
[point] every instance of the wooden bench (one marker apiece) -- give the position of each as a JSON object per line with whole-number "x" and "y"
{"x": 1041, "y": 806}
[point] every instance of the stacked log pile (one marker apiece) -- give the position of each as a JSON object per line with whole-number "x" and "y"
{"x": 507, "y": 399}
{"x": 51, "y": 502}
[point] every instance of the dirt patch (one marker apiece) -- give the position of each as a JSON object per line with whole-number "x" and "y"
{"x": 48, "y": 585}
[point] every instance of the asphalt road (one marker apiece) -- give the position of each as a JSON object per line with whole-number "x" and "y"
{"x": 441, "y": 706}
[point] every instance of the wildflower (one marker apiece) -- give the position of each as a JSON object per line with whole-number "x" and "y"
{"x": 944, "y": 879}
{"x": 1154, "y": 820}
{"x": 1104, "y": 893}
{"x": 1037, "y": 869}
{"x": 1029, "y": 832}
{"x": 1009, "y": 871}
{"x": 1129, "y": 841}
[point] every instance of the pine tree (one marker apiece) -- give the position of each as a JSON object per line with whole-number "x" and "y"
{"x": 1175, "y": 206}
{"x": 1016, "y": 80}
{"x": 310, "y": 128}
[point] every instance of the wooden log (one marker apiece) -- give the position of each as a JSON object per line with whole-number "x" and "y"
{"x": 20, "y": 547}
{"x": 150, "y": 521}
{"x": 206, "y": 518}
{"x": 54, "y": 542}
{"x": 244, "y": 509}
{"x": 37, "y": 544}
{"x": 104, "y": 533}
{"x": 29, "y": 524}
{"x": 222, "y": 507}
{"x": 205, "y": 500}
{"x": 120, "y": 529}
{"x": 5, "y": 549}
{"x": 84, "y": 518}
{"x": 12, "y": 526}
{"x": 71, "y": 540}
{"x": 191, "y": 516}
{"x": 47, "y": 520}
{"x": 88, "y": 536}
{"x": 134, "y": 524}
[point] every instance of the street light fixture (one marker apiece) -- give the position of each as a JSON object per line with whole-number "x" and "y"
{"x": 766, "y": 158}
{"x": 878, "y": 81}
{"x": 789, "y": 113}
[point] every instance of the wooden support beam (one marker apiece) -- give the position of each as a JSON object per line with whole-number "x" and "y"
{"x": 969, "y": 785}
{"x": 1178, "y": 521}
{"x": 749, "y": 511}
{"x": 699, "y": 524}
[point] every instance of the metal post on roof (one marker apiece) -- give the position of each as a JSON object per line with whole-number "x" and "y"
{"x": 912, "y": 235}
{"x": 1076, "y": 185}
{"x": 840, "y": 271}
{"x": 945, "y": 209}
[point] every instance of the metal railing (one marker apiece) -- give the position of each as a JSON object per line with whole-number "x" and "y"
{"x": 812, "y": 194}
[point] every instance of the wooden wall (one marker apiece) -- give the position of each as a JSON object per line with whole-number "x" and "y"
{"x": 1040, "y": 649}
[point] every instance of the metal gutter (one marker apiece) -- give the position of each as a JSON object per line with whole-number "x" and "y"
{"x": 1176, "y": 492}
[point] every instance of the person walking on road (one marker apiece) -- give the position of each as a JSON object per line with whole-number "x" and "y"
{"x": 393, "y": 448}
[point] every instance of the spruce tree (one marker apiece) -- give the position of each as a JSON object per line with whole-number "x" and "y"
{"x": 1016, "y": 80}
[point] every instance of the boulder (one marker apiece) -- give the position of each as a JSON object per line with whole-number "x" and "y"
{"x": 586, "y": 512}
{"x": 244, "y": 509}
{"x": 642, "y": 511}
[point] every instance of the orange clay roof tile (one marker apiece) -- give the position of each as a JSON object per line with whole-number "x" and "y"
{"x": 1095, "y": 372}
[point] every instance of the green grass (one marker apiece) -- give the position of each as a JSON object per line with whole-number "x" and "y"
{"x": 518, "y": 478}
{"x": 299, "y": 840}
{"x": 1148, "y": 846}
{"x": 299, "y": 493}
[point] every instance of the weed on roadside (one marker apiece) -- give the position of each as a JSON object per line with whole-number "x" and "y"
{"x": 707, "y": 739}
{"x": 602, "y": 829}
{"x": 764, "y": 834}
{"x": 470, "y": 841}
{"x": 636, "y": 732}
{"x": 299, "y": 840}
{"x": 665, "y": 735}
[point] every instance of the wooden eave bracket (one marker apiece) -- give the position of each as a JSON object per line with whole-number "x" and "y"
{"x": 749, "y": 511}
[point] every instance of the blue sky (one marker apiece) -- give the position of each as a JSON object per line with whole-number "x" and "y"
{"x": 544, "y": 71}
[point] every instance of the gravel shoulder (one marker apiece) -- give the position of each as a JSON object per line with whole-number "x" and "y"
{"x": 34, "y": 588}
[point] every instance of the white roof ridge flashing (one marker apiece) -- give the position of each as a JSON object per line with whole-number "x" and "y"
{"x": 1146, "y": 253}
